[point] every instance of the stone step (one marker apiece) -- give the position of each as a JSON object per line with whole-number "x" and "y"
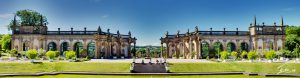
{"x": 149, "y": 68}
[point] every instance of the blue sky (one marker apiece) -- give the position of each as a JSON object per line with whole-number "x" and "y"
{"x": 148, "y": 20}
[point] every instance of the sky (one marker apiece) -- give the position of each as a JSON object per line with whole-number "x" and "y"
{"x": 148, "y": 20}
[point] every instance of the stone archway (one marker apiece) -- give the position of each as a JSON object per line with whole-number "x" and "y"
{"x": 231, "y": 47}
{"x": 78, "y": 46}
{"x": 64, "y": 47}
{"x": 217, "y": 48}
{"x": 204, "y": 49}
{"x": 26, "y": 45}
{"x": 52, "y": 46}
{"x": 91, "y": 49}
{"x": 244, "y": 47}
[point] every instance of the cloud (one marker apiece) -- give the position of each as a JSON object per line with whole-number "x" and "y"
{"x": 105, "y": 16}
{"x": 6, "y": 16}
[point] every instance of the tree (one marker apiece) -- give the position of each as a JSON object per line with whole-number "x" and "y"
{"x": 292, "y": 39}
{"x": 28, "y": 18}
{"x": 5, "y": 42}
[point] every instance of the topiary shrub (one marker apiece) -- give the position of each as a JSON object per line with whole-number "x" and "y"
{"x": 70, "y": 54}
{"x": 244, "y": 54}
{"x": 224, "y": 55}
{"x": 251, "y": 55}
{"x": 51, "y": 55}
{"x": 57, "y": 53}
{"x": 31, "y": 54}
{"x": 270, "y": 54}
{"x": 234, "y": 55}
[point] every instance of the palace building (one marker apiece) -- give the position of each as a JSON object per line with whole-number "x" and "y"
{"x": 201, "y": 44}
{"x": 98, "y": 43}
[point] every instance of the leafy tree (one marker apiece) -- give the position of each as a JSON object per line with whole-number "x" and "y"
{"x": 292, "y": 39}
{"x": 6, "y": 42}
{"x": 29, "y": 18}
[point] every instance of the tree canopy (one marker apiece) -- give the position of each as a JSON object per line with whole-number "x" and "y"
{"x": 292, "y": 37}
{"x": 28, "y": 18}
{"x": 5, "y": 41}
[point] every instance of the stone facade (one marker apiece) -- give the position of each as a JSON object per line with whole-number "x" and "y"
{"x": 259, "y": 38}
{"x": 98, "y": 44}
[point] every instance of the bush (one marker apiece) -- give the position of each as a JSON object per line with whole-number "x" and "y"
{"x": 70, "y": 54}
{"x": 83, "y": 53}
{"x": 174, "y": 55}
{"x": 251, "y": 55}
{"x": 270, "y": 54}
{"x": 51, "y": 54}
{"x": 234, "y": 55}
{"x": 244, "y": 54}
{"x": 224, "y": 55}
{"x": 31, "y": 54}
{"x": 57, "y": 53}
{"x": 41, "y": 53}
{"x": 13, "y": 52}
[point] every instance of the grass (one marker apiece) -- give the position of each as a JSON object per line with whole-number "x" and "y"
{"x": 237, "y": 66}
{"x": 26, "y": 67}
{"x": 143, "y": 76}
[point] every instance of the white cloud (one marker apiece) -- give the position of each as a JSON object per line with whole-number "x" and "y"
{"x": 6, "y": 16}
{"x": 105, "y": 16}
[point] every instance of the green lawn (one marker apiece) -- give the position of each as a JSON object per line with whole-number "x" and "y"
{"x": 143, "y": 76}
{"x": 26, "y": 67}
{"x": 227, "y": 67}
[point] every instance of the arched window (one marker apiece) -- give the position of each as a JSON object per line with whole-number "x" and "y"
{"x": 91, "y": 49}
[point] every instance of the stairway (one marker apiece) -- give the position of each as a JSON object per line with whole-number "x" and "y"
{"x": 149, "y": 68}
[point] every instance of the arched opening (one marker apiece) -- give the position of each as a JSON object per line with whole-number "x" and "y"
{"x": 231, "y": 47}
{"x": 52, "y": 46}
{"x": 114, "y": 50}
{"x": 204, "y": 49}
{"x": 64, "y": 47}
{"x": 217, "y": 48}
{"x": 173, "y": 51}
{"x": 25, "y": 46}
{"x": 181, "y": 50}
{"x": 125, "y": 50}
{"x": 77, "y": 48}
{"x": 244, "y": 47}
{"x": 91, "y": 49}
{"x": 270, "y": 45}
